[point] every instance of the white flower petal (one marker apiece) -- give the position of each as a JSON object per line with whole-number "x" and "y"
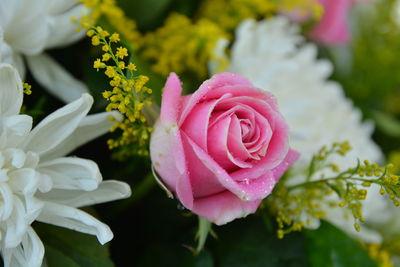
{"x": 8, "y": 55}
{"x": 7, "y": 198}
{"x": 55, "y": 78}
{"x": 24, "y": 181}
{"x": 14, "y": 129}
{"x": 63, "y": 31}
{"x": 18, "y": 124}
{"x": 29, "y": 253}
{"x": 107, "y": 191}
{"x": 60, "y": 6}
{"x": 72, "y": 173}
{"x": 16, "y": 156}
{"x": 89, "y": 128}
{"x": 75, "y": 219}
{"x": 16, "y": 225}
{"x": 56, "y": 127}
{"x": 26, "y": 32}
{"x": 10, "y": 91}
{"x": 7, "y": 11}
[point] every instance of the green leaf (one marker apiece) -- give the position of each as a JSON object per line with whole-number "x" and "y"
{"x": 387, "y": 123}
{"x": 148, "y": 14}
{"x": 202, "y": 233}
{"x": 67, "y": 248}
{"x": 248, "y": 243}
{"x": 329, "y": 247}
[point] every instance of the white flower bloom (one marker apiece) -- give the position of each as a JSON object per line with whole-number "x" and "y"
{"x": 38, "y": 182}
{"x": 273, "y": 55}
{"x": 28, "y": 27}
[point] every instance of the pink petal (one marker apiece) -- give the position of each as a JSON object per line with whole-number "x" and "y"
{"x": 168, "y": 157}
{"x": 197, "y": 123}
{"x": 171, "y": 100}
{"x": 291, "y": 157}
{"x": 218, "y": 136}
{"x": 224, "y": 207}
{"x": 248, "y": 189}
{"x": 216, "y": 81}
{"x": 203, "y": 181}
{"x": 333, "y": 27}
{"x": 247, "y": 92}
{"x": 235, "y": 142}
{"x": 196, "y": 126}
{"x": 278, "y": 147}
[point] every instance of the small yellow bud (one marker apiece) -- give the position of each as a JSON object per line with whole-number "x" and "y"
{"x": 110, "y": 72}
{"x": 114, "y": 38}
{"x": 90, "y": 33}
{"x": 121, "y": 52}
{"x": 357, "y": 227}
{"x": 121, "y": 65}
{"x": 280, "y": 233}
{"x": 97, "y": 64}
{"x": 131, "y": 67}
{"x": 95, "y": 40}
{"x": 106, "y": 57}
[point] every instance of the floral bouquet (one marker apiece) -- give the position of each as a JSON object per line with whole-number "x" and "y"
{"x": 228, "y": 133}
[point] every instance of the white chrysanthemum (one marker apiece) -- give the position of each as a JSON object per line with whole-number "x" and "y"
{"x": 37, "y": 181}
{"x": 273, "y": 55}
{"x": 28, "y": 27}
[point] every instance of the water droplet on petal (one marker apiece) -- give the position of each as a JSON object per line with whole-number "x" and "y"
{"x": 180, "y": 206}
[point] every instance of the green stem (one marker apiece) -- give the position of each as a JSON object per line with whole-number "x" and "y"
{"x": 305, "y": 184}
{"x": 202, "y": 233}
{"x": 139, "y": 192}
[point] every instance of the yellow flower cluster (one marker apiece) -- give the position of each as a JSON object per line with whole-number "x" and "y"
{"x": 115, "y": 16}
{"x": 27, "y": 88}
{"x": 291, "y": 204}
{"x": 229, "y": 13}
{"x": 185, "y": 45}
{"x": 303, "y": 8}
{"x": 181, "y": 45}
{"x": 380, "y": 255}
{"x": 129, "y": 95}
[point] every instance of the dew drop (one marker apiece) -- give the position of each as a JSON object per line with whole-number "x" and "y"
{"x": 180, "y": 206}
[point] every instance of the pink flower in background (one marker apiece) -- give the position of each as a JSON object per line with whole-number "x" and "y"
{"x": 222, "y": 149}
{"x": 333, "y": 28}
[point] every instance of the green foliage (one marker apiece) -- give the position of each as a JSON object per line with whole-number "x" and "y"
{"x": 329, "y": 247}
{"x": 248, "y": 243}
{"x": 387, "y": 123}
{"x": 68, "y": 248}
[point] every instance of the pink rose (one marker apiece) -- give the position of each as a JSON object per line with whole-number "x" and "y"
{"x": 222, "y": 149}
{"x": 333, "y": 28}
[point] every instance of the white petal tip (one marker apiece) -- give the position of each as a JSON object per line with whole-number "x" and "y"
{"x": 105, "y": 235}
{"x": 116, "y": 115}
{"x": 87, "y": 98}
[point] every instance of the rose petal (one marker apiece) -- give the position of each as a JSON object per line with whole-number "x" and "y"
{"x": 170, "y": 105}
{"x": 196, "y": 126}
{"x": 169, "y": 160}
{"x": 218, "y": 80}
{"x": 218, "y": 146}
{"x": 224, "y": 207}
{"x": 291, "y": 157}
{"x": 205, "y": 174}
